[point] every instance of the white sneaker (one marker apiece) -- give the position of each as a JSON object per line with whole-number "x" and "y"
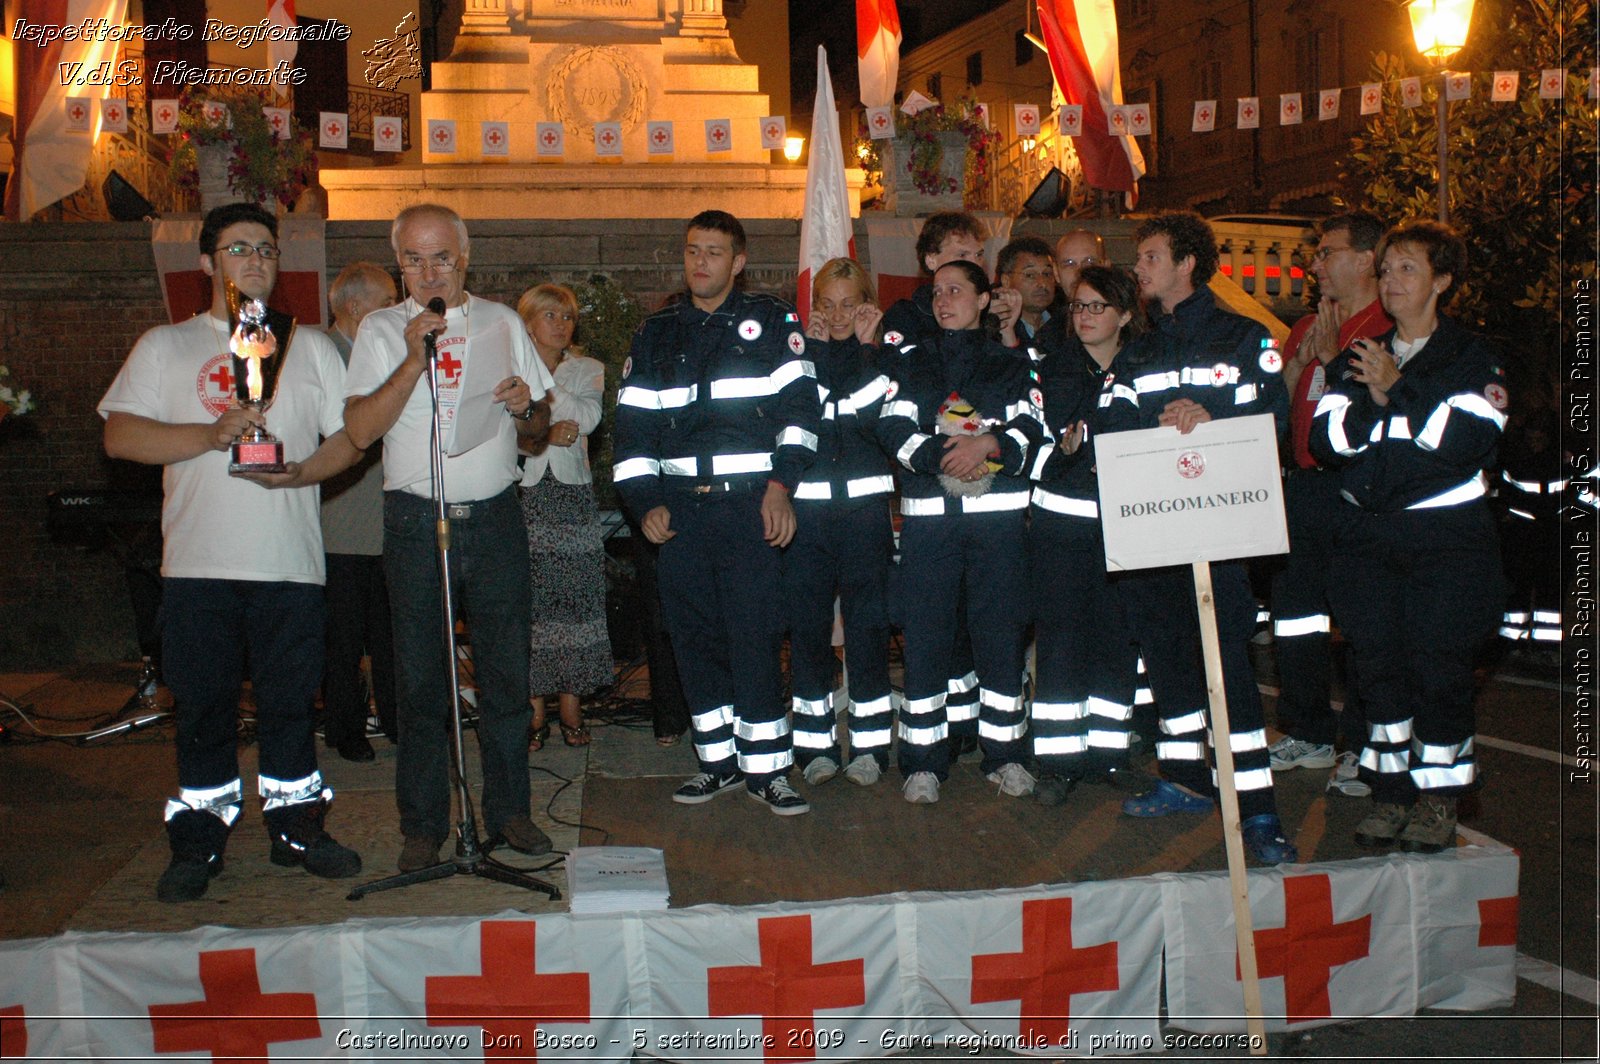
{"x": 1290, "y": 752}
{"x": 921, "y": 788}
{"x": 1346, "y": 776}
{"x": 1013, "y": 779}
{"x": 863, "y": 770}
{"x": 820, "y": 770}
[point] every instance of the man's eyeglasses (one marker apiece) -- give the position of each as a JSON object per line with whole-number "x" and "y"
{"x": 1322, "y": 254}
{"x": 418, "y": 264}
{"x": 241, "y": 250}
{"x": 1096, "y": 308}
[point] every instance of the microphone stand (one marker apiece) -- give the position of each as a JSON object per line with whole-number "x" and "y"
{"x": 470, "y": 859}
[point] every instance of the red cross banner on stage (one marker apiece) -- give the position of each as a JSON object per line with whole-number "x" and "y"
{"x": 114, "y": 115}
{"x": 1552, "y": 84}
{"x": 494, "y": 138}
{"x": 333, "y": 129}
{"x": 1327, "y": 104}
{"x": 658, "y": 138}
{"x": 512, "y": 998}
{"x": 1249, "y": 112}
{"x": 1466, "y": 928}
{"x": 388, "y": 134}
{"x": 1050, "y": 974}
{"x": 1505, "y": 86}
{"x": 301, "y": 289}
{"x": 549, "y": 138}
{"x": 441, "y": 136}
{"x": 608, "y": 139}
{"x": 774, "y": 128}
{"x": 234, "y": 1019}
{"x": 164, "y": 116}
{"x": 1205, "y": 116}
{"x": 719, "y": 135}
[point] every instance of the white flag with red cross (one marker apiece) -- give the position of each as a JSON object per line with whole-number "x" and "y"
{"x": 495, "y": 138}
{"x": 549, "y": 138}
{"x": 1371, "y": 98}
{"x": 164, "y": 116}
{"x": 719, "y": 135}
{"x": 1505, "y": 86}
{"x": 388, "y": 134}
{"x": 1069, "y": 120}
{"x": 1026, "y": 116}
{"x": 1249, "y": 112}
{"x": 880, "y": 122}
{"x": 608, "y": 139}
{"x": 1552, "y": 84}
{"x": 774, "y": 128}
{"x": 279, "y": 121}
{"x": 658, "y": 138}
{"x": 1327, "y": 104}
{"x": 1410, "y": 92}
{"x": 1457, "y": 86}
{"x": 1138, "y": 118}
{"x": 1205, "y": 116}
{"x": 333, "y": 129}
{"x": 1289, "y": 109}
{"x": 1464, "y": 912}
{"x": 80, "y": 113}
{"x": 113, "y": 115}
{"x": 441, "y": 136}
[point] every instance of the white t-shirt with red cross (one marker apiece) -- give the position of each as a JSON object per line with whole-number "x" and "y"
{"x": 218, "y": 526}
{"x": 477, "y": 328}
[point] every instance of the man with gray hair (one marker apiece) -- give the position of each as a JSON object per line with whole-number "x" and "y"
{"x": 352, "y": 538}
{"x": 387, "y": 397}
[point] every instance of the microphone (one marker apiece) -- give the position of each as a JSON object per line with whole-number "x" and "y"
{"x": 436, "y": 306}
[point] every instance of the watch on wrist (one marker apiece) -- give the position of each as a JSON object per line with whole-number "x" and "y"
{"x": 526, "y": 415}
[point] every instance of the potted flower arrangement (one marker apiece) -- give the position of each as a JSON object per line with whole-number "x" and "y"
{"x": 938, "y": 159}
{"x": 240, "y": 151}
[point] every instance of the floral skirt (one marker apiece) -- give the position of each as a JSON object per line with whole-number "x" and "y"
{"x": 571, "y": 651}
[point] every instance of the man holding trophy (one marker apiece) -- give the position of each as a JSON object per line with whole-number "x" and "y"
{"x": 242, "y": 559}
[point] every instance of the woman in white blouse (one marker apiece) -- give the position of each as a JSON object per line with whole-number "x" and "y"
{"x": 571, "y": 652}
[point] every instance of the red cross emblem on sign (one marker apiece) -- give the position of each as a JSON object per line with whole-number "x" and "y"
{"x": 1047, "y": 973}
{"x": 1205, "y": 114}
{"x": 213, "y": 114}
{"x": 786, "y": 989}
{"x": 1497, "y": 922}
{"x": 549, "y": 138}
{"x": 1028, "y": 118}
{"x": 276, "y": 121}
{"x": 13, "y": 1032}
{"x": 607, "y": 137}
{"x": 441, "y": 134}
{"x": 385, "y": 132}
{"x": 1505, "y": 84}
{"x": 660, "y": 136}
{"x": 1305, "y": 951}
{"x": 772, "y": 132}
{"x": 166, "y": 114}
{"x": 1249, "y": 112}
{"x": 880, "y": 121}
{"x": 1291, "y": 107}
{"x": 114, "y": 113}
{"x": 449, "y": 365}
{"x": 494, "y": 136}
{"x": 510, "y": 999}
{"x": 717, "y": 133}
{"x": 1138, "y": 118}
{"x": 1552, "y": 83}
{"x": 223, "y": 378}
{"x": 1328, "y": 102}
{"x": 235, "y": 1021}
{"x": 76, "y": 112}
{"x": 333, "y": 129}
{"x": 1372, "y": 97}
{"x": 1413, "y": 91}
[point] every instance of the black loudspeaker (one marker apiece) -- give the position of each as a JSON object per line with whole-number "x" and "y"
{"x": 1049, "y": 197}
{"x": 124, "y": 201}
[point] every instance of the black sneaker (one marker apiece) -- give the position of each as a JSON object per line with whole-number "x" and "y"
{"x": 304, "y": 842}
{"x": 1053, "y": 789}
{"x": 705, "y": 787}
{"x": 779, "y": 796}
{"x": 187, "y": 877}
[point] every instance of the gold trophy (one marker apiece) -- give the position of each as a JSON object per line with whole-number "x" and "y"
{"x": 253, "y": 342}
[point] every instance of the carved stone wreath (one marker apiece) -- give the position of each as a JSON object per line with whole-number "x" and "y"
{"x": 564, "y": 109}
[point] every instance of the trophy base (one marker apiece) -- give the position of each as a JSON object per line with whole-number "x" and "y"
{"x": 257, "y": 456}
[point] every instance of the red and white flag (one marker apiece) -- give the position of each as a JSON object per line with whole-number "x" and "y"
{"x": 1505, "y": 86}
{"x": 1205, "y": 116}
{"x": 1069, "y": 119}
{"x": 1552, "y": 84}
{"x": 880, "y": 122}
{"x": 333, "y": 129}
{"x": 496, "y": 138}
{"x": 387, "y": 134}
{"x": 281, "y": 14}
{"x": 279, "y": 119}
{"x": 1138, "y": 118}
{"x": 1457, "y": 86}
{"x": 719, "y": 135}
{"x": 164, "y": 116}
{"x": 114, "y": 115}
{"x": 52, "y": 158}
{"x": 658, "y": 138}
{"x": 1327, "y": 104}
{"x": 1249, "y": 116}
{"x": 1289, "y": 113}
{"x": 1410, "y": 92}
{"x": 774, "y": 128}
{"x": 825, "y": 229}
{"x": 549, "y": 139}
{"x": 441, "y": 136}
{"x": 80, "y": 114}
{"x": 608, "y": 139}
{"x": 1080, "y": 37}
{"x": 1371, "y": 97}
{"x": 1026, "y": 116}
{"x": 877, "y": 50}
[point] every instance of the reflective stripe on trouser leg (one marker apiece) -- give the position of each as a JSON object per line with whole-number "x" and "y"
{"x": 1161, "y": 614}
{"x": 815, "y": 733}
{"x": 221, "y": 802}
{"x": 1387, "y": 758}
{"x": 809, "y": 576}
{"x": 929, "y": 568}
{"x": 276, "y": 794}
{"x": 1236, "y": 620}
{"x": 993, "y": 550}
{"x": 871, "y": 728}
{"x": 1002, "y": 726}
{"x": 1440, "y": 767}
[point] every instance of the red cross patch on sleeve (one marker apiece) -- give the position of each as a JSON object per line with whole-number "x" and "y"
{"x": 797, "y": 343}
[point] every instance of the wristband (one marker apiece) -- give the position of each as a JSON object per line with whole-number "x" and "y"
{"x": 526, "y": 415}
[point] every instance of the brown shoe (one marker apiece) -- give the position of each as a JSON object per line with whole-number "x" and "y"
{"x": 420, "y": 851}
{"x": 522, "y": 835}
{"x": 1432, "y": 826}
{"x": 1381, "y": 826}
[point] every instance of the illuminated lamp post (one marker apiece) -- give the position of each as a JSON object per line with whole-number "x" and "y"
{"x": 792, "y": 147}
{"x": 1440, "y": 28}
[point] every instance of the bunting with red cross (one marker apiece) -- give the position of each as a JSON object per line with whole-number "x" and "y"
{"x": 1466, "y": 929}
{"x": 1048, "y": 974}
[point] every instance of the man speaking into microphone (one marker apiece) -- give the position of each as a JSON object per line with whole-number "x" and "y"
{"x": 387, "y": 397}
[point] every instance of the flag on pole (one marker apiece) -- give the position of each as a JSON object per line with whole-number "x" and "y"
{"x": 281, "y": 14}
{"x": 1080, "y": 37}
{"x": 877, "y": 50}
{"x": 51, "y": 158}
{"x": 825, "y": 229}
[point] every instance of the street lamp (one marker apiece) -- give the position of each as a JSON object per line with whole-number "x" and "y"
{"x": 1440, "y": 29}
{"x": 792, "y": 147}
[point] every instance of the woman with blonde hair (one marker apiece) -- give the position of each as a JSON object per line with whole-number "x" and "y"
{"x": 571, "y": 651}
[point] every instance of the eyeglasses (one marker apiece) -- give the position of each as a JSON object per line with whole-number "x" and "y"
{"x": 1069, "y": 263}
{"x": 241, "y": 250}
{"x": 418, "y": 264}
{"x": 1322, "y": 254}
{"x": 1096, "y": 308}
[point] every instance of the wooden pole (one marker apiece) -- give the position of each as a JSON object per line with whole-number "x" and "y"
{"x": 1228, "y": 797}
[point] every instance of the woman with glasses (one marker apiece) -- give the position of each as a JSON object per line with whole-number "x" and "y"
{"x": 1085, "y": 655}
{"x": 1414, "y": 418}
{"x": 570, "y": 654}
{"x": 963, "y": 420}
{"x": 843, "y": 539}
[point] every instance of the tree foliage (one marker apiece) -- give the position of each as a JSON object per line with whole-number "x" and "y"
{"x": 1522, "y": 175}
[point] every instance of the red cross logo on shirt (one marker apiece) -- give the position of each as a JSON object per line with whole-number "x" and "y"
{"x": 718, "y": 133}
{"x": 880, "y": 120}
{"x": 223, "y": 377}
{"x": 786, "y": 989}
{"x": 76, "y": 112}
{"x": 1497, "y": 922}
{"x": 334, "y": 129}
{"x": 1205, "y": 114}
{"x": 235, "y": 1021}
{"x": 1219, "y": 374}
{"x": 659, "y": 136}
{"x": 1047, "y": 973}
{"x": 549, "y": 138}
{"x": 13, "y": 1032}
{"x": 1305, "y": 951}
{"x": 510, "y": 999}
{"x": 1505, "y": 85}
{"x": 494, "y": 137}
{"x": 449, "y": 365}
{"x": 441, "y": 134}
{"x": 165, "y": 115}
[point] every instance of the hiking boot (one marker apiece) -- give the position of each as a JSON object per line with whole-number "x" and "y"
{"x": 1265, "y": 840}
{"x": 1052, "y": 789}
{"x": 921, "y": 788}
{"x": 705, "y": 787}
{"x": 1290, "y": 752}
{"x": 820, "y": 770}
{"x": 1383, "y": 825}
{"x": 863, "y": 770}
{"x": 1432, "y": 826}
{"x": 419, "y": 852}
{"x": 523, "y": 835}
{"x": 187, "y": 877}
{"x": 298, "y": 838}
{"x": 1346, "y": 776}
{"x": 1012, "y": 779}
{"x": 779, "y": 796}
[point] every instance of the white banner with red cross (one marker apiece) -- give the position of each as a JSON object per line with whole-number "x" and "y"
{"x": 1048, "y": 971}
